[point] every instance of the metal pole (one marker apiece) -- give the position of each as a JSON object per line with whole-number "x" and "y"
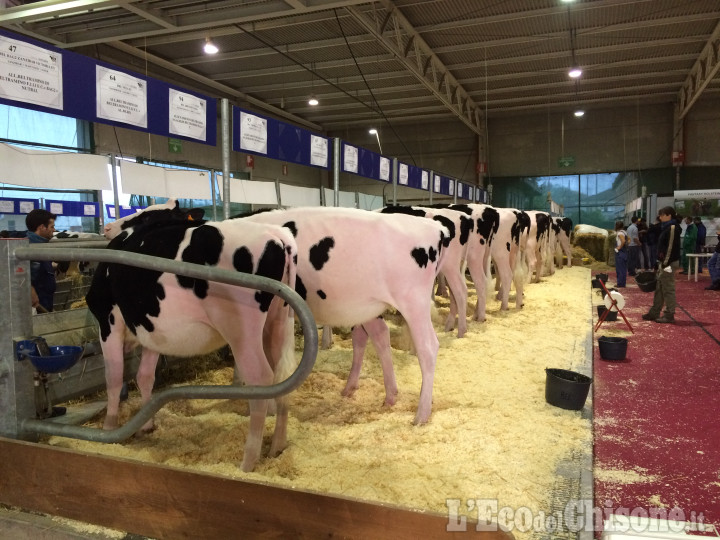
{"x": 431, "y": 184}
{"x": 336, "y": 171}
{"x": 113, "y": 170}
{"x": 43, "y": 253}
{"x": 225, "y": 135}
{"x": 394, "y": 178}
{"x": 213, "y": 179}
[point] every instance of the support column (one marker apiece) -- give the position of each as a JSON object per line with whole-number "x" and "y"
{"x": 17, "y": 401}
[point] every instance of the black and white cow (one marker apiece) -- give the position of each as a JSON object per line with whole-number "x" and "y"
{"x": 353, "y": 265}
{"x": 181, "y": 316}
{"x": 562, "y": 227}
{"x": 538, "y": 244}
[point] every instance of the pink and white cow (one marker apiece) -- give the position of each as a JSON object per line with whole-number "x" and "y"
{"x": 353, "y": 265}
{"x": 461, "y": 226}
{"x": 508, "y": 251}
{"x": 182, "y": 316}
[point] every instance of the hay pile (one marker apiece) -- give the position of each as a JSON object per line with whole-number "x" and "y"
{"x": 491, "y": 435}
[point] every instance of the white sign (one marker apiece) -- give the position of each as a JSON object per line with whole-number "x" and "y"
{"x": 56, "y": 208}
{"x": 111, "y": 211}
{"x": 89, "y": 209}
{"x": 26, "y": 207}
{"x": 351, "y": 159}
{"x": 253, "y": 133}
{"x": 697, "y": 194}
{"x": 425, "y": 181}
{"x": 436, "y": 184}
{"x": 318, "y": 151}
{"x": 187, "y": 115}
{"x": 452, "y": 187}
{"x": 30, "y": 74}
{"x": 7, "y": 207}
{"x": 121, "y": 97}
{"x": 384, "y": 169}
{"x": 403, "y": 174}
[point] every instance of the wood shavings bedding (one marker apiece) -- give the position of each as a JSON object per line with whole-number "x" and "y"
{"x": 491, "y": 434}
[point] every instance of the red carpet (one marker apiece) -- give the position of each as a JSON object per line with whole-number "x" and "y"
{"x": 657, "y": 414}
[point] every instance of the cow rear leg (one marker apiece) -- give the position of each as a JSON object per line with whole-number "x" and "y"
{"x": 146, "y": 380}
{"x": 380, "y": 335}
{"x": 427, "y": 346}
{"x": 283, "y": 368}
{"x": 327, "y": 338}
{"x": 359, "y": 342}
{"x": 458, "y": 303}
{"x": 113, "y": 356}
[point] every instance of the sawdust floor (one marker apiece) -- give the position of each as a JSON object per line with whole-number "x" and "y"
{"x": 491, "y": 434}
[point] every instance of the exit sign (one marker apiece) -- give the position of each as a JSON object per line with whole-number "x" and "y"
{"x": 174, "y": 145}
{"x": 566, "y": 161}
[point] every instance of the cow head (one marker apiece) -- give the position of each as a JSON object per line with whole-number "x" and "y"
{"x": 155, "y": 214}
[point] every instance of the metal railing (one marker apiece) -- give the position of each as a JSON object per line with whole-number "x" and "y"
{"x": 46, "y": 252}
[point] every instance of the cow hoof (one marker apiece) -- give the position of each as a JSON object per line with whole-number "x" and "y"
{"x": 348, "y": 391}
{"x": 389, "y": 401}
{"x": 111, "y": 422}
{"x": 275, "y": 452}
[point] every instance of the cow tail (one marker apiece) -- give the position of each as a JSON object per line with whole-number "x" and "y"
{"x": 287, "y": 362}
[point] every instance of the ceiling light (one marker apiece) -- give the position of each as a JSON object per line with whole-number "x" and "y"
{"x": 313, "y": 100}
{"x": 210, "y": 47}
{"x": 579, "y": 113}
{"x": 372, "y": 131}
{"x": 575, "y": 72}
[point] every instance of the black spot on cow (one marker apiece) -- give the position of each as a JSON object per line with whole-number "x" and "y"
{"x": 300, "y": 288}
{"x": 400, "y": 209}
{"x": 205, "y": 246}
{"x": 320, "y": 252}
{"x": 543, "y": 224}
{"x": 482, "y": 241}
{"x": 322, "y": 294}
{"x": 165, "y": 217}
{"x": 448, "y": 223}
{"x": 488, "y": 223}
{"x": 421, "y": 256}
{"x": 243, "y": 260}
{"x": 566, "y": 225}
{"x": 466, "y": 228}
{"x": 507, "y": 246}
{"x": 464, "y": 208}
{"x": 271, "y": 265}
{"x": 432, "y": 254}
{"x": 293, "y": 228}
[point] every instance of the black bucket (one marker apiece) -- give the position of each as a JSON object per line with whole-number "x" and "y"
{"x": 646, "y": 281}
{"x": 566, "y": 389}
{"x": 612, "y": 348}
{"x": 611, "y": 316}
{"x": 602, "y": 277}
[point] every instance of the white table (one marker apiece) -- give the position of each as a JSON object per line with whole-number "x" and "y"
{"x": 695, "y": 257}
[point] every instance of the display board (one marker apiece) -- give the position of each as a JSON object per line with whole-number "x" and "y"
{"x": 261, "y": 135}
{"x": 37, "y": 76}
{"x": 73, "y": 208}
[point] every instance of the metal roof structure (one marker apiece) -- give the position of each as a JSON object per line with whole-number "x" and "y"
{"x": 399, "y": 60}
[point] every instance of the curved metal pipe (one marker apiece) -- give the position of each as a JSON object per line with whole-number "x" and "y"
{"x": 45, "y": 252}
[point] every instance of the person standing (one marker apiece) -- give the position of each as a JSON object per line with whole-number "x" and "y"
{"x": 714, "y": 266}
{"x": 700, "y": 242}
{"x": 645, "y": 262}
{"x": 621, "y": 254}
{"x": 668, "y": 263}
{"x": 633, "y": 247}
{"x": 653, "y": 233}
{"x": 688, "y": 243}
{"x": 41, "y": 226}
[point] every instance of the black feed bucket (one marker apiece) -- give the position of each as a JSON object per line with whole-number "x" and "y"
{"x": 612, "y": 348}
{"x": 566, "y": 389}
{"x": 611, "y": 316}
{"x": 598, "y": 279}
{"x": 646, "y": 281}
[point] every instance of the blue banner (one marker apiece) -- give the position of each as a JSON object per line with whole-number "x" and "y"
{"x": 444, "y": 185}
{"x": 17, "y": 206}
{"x": 412, "y": 176}
{"x": 124, "y": 210}
{"x": 81, "y": 77}
{"x": 73, "y": 208}
{"x": 260, "y": 135}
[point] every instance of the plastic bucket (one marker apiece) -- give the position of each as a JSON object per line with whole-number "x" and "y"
{"x": 646, "y": 281}
{"x": 566, "y": 389}
{"x": 611, "y": 316}
{"x": 612, "y": 348}
{"x": 602, "y": 277}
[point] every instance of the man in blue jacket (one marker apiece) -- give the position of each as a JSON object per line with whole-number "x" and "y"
{"x": 41, "y": 226}
{"x": 668, "y": 255}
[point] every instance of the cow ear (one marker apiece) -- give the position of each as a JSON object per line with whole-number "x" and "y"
{"x": 195, "y": 214}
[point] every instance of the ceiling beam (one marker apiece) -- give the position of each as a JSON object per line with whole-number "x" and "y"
{"x": 702, "y": 72}
{"x": 450, "y": 92}
{"x": 46, "y": 9}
